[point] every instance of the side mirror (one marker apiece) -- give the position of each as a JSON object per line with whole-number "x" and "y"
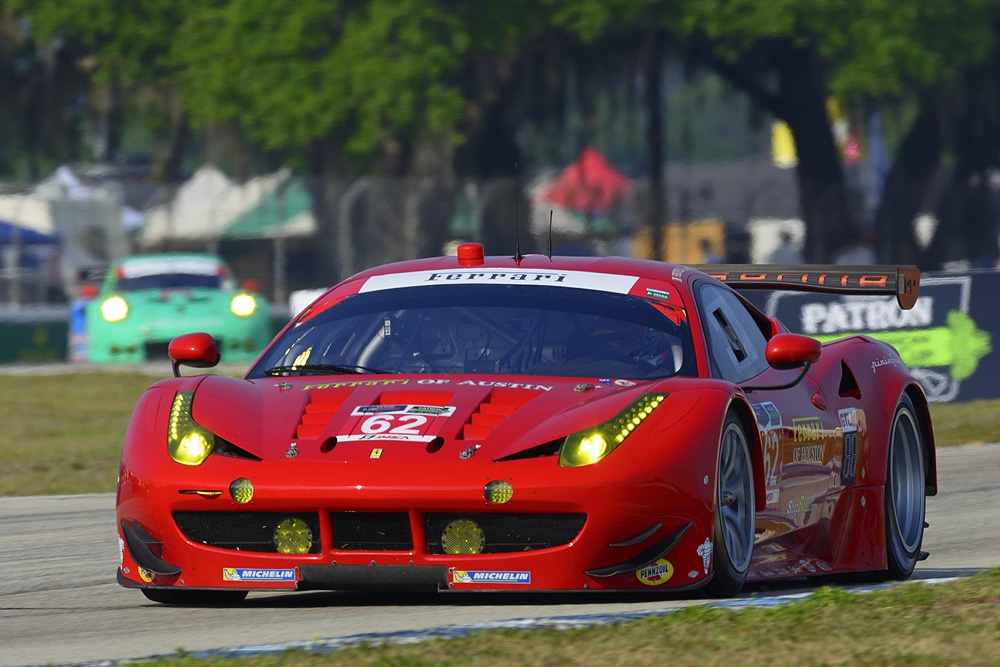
{"x": 194, "y": 349}
{"x": 787, "y": 350}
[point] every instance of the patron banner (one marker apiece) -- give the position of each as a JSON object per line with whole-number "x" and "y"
{"x": 948, "y": 339}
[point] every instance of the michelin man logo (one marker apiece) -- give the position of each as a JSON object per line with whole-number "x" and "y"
{"x": 705, "y": 551}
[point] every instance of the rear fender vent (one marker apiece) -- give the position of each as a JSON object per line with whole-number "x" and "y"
{"x": 848, "y": 383}
{"x": 499, "y": 405}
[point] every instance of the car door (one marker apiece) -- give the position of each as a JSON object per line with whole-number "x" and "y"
{"x": 798, "y": 431}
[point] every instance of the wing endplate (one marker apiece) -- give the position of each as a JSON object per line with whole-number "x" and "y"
{"x": 902, "y": 281}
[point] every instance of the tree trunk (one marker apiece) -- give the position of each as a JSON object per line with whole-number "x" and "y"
{"x": 654, "y": 111}
{"x": 906, "y": 187}
{"x": 328, "y": 180}
{"x": 820, "y": 176}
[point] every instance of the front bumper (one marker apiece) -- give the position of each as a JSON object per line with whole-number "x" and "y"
{"x": 385, "y": 531}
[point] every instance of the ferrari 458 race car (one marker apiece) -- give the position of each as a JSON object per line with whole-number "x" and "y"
{"x": 146, "y": 300}
{"x": 537, "y": 423}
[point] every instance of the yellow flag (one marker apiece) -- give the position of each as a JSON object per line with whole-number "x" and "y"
{"x": 782, "y": 145}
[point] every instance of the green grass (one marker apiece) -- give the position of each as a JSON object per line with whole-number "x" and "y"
{"x": 63, "y": 433}
{"x": 956, "y": 623}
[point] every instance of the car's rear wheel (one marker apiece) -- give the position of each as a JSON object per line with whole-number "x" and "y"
{"x": 194, "y": 598}
{"x": 734, "y": 511}
{"x": 904, "y": 493}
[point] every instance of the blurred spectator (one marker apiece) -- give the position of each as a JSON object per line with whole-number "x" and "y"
{"x": 858, "y": 249}
{"x": 787, "y": 251}
{"x": 708, "y": 254}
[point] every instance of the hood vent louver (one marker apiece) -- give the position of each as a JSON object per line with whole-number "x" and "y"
{"x": 499, "y": 405}
{"x": 319, "y": 410}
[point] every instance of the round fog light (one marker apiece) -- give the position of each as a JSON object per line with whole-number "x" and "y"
{"x": 498, "y": 492}
{"x": 241, "y": 490}
{"x": 462, "y": 536}
{"x": 293, "y": 536}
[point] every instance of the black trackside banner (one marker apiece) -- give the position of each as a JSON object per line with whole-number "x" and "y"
{"x": 949, "y": 338}
{"x": 901, "y": 281}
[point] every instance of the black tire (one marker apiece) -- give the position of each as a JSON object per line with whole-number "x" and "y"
{"x": 194, "y": 598}
{"x": 735, "y": 511}
{"x": 904, "y": 492}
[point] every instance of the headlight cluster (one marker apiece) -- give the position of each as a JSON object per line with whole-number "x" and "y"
{"x": 114, "y": 309}
{"x": 591, "y": 445}
{"x": 188, "y": 443}
{"x": 243, "y": 305}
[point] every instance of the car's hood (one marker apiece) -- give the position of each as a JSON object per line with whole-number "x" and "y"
{"x": 347, "y": 417}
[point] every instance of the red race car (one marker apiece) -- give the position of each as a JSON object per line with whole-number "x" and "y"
{"x": 534, "y": 423}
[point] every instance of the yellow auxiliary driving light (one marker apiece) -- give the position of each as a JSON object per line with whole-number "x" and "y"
{"x": 114, "y": 309}
{"x": 498, "y": 492}
{"x": 584, "y": 448}
{"x": 462, "y": 536}
{"x": 293, "y": 536}
{"x": 243, "y": 305}
{"x": 241, "y": 490}
{"x": 187, "y": 442}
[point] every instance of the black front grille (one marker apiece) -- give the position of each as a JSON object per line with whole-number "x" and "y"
{"x": 242, "y": 531}
{"x": 509, "y": 533}
{"x": 371, "y": 531}
{"x": 156, "y": 351}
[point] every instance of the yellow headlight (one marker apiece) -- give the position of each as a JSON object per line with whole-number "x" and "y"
{"x": 114, "y": 309}
{"x": 584, "y": 448}
{"x": 188, "y": 442}
{"x": 243, "y": 305}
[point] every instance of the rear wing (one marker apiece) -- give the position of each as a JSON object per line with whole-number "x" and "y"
{"x": 902, "y": 281}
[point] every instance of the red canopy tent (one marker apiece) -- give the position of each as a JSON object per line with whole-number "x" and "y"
{"x": 589, "y": 185}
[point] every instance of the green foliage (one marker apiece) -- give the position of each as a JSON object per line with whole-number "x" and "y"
{"x": 294, "y": 72}
{"x": 130, "y": 38}
{"x": 872, "y": 47}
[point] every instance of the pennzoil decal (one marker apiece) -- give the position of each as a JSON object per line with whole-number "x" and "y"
{"x": 849, "y": 453}
{"x": 490, "y": 577}
{"x": 656, "y": 574}
{"x": 253, "y": 574}
{"x": 412, "y": 423}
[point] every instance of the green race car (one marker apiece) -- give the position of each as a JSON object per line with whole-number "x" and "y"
{"x": 146, "y": 300}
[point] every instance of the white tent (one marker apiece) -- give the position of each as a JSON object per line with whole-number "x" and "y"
{"x": 205, "y": 205}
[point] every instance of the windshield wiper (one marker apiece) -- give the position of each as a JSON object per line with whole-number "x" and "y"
{"x": 321, "y": 369}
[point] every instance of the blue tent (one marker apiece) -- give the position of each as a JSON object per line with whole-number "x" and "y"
{"x": 27, "y": 236}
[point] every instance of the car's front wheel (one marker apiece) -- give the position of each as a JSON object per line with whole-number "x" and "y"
{"x": 194, "y": 598}
{"x": 904, "y": 493}
{"x": 735, "y": 518}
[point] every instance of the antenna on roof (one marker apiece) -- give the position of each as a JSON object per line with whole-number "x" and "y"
{"x": 550, "y": 233}
{"x": 517, "y": 214}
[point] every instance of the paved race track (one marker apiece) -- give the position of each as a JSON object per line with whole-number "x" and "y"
{"x": 59, "y": 602}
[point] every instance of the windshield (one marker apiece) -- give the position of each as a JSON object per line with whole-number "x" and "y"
{"x": 168, "y": 281}
{"x": 171, "y": 272}
{"x": 514, "y": 330}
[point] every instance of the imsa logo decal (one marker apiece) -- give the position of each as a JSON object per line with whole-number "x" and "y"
{"x": 656, "y": 574}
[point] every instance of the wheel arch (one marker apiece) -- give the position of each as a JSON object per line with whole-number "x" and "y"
{"x": 923, "y": 416}
{"x": 741, "y": 406}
